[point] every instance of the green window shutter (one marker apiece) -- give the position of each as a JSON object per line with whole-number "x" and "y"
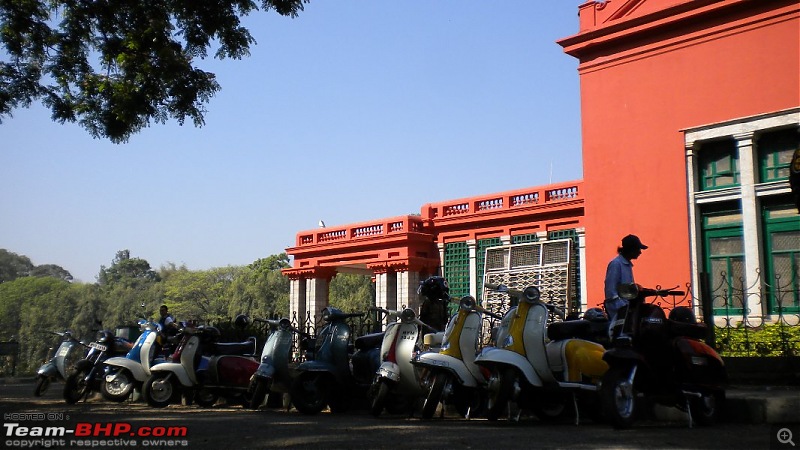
{"x": 775, "y": 152}
{"x": 782, "y": 255}
{"x": 483, "y": 244}
{"x": 723, "y": 252}
{"x": 525, "y": 238}
{"x": 719, "y": 163}
{"x": 456, "y": 268}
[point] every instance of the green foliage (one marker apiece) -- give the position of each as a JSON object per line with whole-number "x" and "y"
{"x": 351, "y": 293}
{"x": 114, "y": 67}
{"x": 767, "y": 340}
{"x": 13, "y": 266}
{"x": 30, "y": 307}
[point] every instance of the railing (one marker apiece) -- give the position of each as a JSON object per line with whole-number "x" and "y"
{"x": 383, "y": 227}
{"x": 510, "y": 200}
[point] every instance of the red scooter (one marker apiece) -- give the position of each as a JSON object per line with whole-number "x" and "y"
{"x": 661, "y": 359}
{"x": 204, "y": 368}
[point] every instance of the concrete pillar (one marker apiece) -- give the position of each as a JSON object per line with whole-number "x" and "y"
{"x": 582, "y": 268}
{"x": 317, "y": 292}
{"x": 440, "y": 246}
{"x": 297, "y": 300}
{"x": 751, "y": 223}
{"x": 407, "y": 284}
{"x": 472, "y": 247}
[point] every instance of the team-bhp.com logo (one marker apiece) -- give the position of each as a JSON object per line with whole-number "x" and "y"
{"x": 85, "y": 434}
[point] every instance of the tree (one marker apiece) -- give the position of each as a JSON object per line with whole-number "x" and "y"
{"x": 352, "y": 293}
{"x": 261, "y": 290}
{"x": 13, "y": 266}
{"x": 114, "y": 67}
{"x": 51, "y": 270}
{"x": 128, "y": 271}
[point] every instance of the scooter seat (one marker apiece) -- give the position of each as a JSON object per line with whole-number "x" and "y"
{"x": 368, "y": 341}
{"x": 570, "y": 329}
{"x": 690, "y": 330}
{"x": 233, "y": 348}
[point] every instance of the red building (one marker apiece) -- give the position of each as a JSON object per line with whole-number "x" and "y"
{"x": 690, "y": 115}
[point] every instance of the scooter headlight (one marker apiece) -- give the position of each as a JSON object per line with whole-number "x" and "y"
{"x": 284, "y": 324}
{"x": 628, "y": 291}
{"x": 467, "y": 303}
{"x": 531, "y": 294}
{"x": 408, "y": 315}
{"x": 326, "y": 314}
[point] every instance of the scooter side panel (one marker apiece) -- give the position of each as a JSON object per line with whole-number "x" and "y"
{"x": 47, "y": 370}
{"x": 134, "y": 367}
{"x": 176, "y": 369}
{"x": 493, "y": 356}
{"x": 447, "y": 362}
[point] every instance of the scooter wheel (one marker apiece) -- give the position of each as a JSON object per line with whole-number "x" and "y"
{"x": 501, "y": 389}
{"x": 379, "y": 397}
{"x": 619, "y": 397}
{"x": 310, "y": 393}
{"x": 159, "y": 390}
{"x": 76, "y": 387}
{"x": 705, "y": 409}
{"x": 206, "y": 398}
{"x": 42, "y": 383}
{"x": 260, "y": 389}
{"x": 434, "y": 395}
{"x": 120, "y": 389}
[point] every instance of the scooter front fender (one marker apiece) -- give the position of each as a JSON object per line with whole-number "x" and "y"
{"x": 265, "y": 370}
{"x": 47, "y": 370}
{"x": 437, "y": 361}
{"x": 390, "y": 371}
{"x": 177, "y": 369}
{"x": 492, "y": 356}
{"x": 132, "y": 366}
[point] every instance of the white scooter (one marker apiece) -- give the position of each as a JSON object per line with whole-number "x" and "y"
{"x": 397, "y": 377}
{"x": 541, "y": 367}
{"x": 452, "y": 377}
{"x": 124, "y": 374}
{"x": 204, "y": 368}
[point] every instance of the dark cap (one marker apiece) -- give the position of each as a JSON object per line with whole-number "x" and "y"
{"x": 632, "y": 242}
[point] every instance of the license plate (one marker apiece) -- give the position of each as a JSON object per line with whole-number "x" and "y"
{"x": 63, "y": 351}
{"x": 97, "y": 346}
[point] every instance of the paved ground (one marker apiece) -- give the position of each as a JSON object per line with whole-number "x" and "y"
{"x": 234, "y": 427}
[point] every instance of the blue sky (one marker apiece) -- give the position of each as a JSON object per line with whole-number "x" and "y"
{"x": 351, "y": 112}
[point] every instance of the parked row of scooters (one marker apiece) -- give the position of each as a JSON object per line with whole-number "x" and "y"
{"x": 539, "y": 363}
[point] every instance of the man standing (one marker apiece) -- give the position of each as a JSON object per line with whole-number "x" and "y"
{"x": 620, "y": 270}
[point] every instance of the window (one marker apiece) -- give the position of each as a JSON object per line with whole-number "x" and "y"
{"x": 720, "y": 165}
{"x": 775, "y": 150}
{"x": 456, "y": 268}
{"x": 724, "y": 260}
{"x": 782, "y": 236}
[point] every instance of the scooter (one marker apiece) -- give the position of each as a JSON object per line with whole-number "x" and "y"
{"x": 340, "y": 372}
{"x": 203, "y": 369}
{"x": 397, "y": 376}
{"x": 661, "y": 359}
{"x": 272, "y": 375}
{"x": 60, "y": 365}
{"x": 540, "y": 367}
{"x": 452, "y": 377}
{"x": 124, "y": 374}
{"x": 88, "y": 373}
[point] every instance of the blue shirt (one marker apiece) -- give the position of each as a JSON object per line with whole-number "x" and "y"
{"x": 619, "y": 270}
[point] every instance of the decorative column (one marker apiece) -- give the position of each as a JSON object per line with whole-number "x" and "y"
{"x": 751, "y": 223}
{"x": 385, "y": 288}
{"x": 407, "y": 282}
{"x": 297, "y": 299}
{"x": 317, "y": 291}
{"x": 582, "y": 267}
{"x": 472, "y": 247}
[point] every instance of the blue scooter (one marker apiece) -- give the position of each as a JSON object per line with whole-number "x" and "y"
{"x": 336, "y": 375}
{"x": 60, "y": 365}
{"x": 272, "y": 375}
